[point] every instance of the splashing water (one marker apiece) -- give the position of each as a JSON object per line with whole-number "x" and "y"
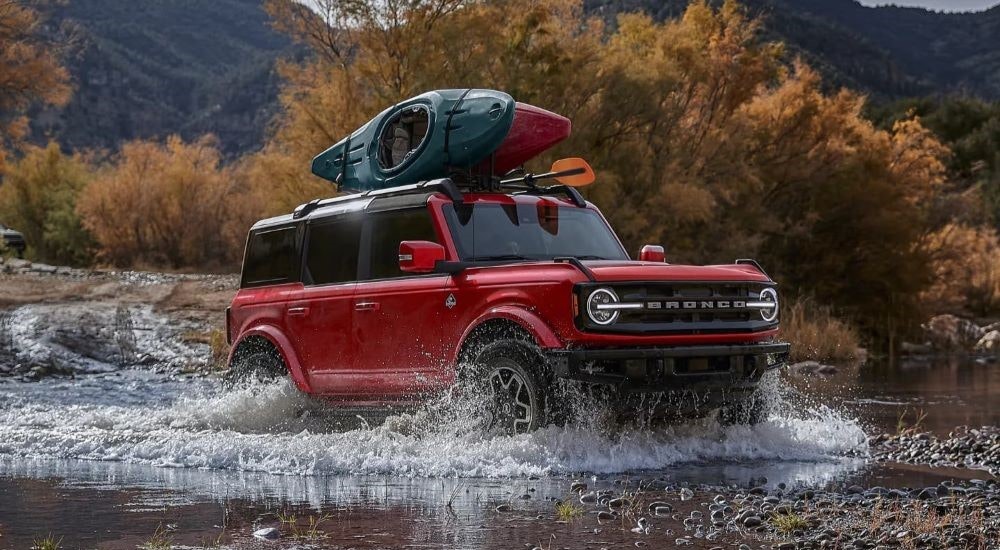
{"x": 135, "y": 417}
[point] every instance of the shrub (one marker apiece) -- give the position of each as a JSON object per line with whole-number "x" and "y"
{"x": 816, "y": 334}
{"x": 38, "y": 198}
{"x": 168, "y": 205}
{"x": 967, "y": 270}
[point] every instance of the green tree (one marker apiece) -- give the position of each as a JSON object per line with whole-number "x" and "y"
{"x": 38, "y": 197}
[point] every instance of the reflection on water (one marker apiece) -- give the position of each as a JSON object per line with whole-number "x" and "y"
{"x": 951, "y": 391}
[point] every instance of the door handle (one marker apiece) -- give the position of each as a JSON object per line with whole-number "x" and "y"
{"x": 367, "y": 306}
{"x": 298, "y": 311}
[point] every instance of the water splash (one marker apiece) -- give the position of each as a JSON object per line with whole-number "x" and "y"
{"x": 274, "y": 429}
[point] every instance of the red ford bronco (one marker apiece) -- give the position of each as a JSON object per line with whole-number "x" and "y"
{"x": 383, "y": 298}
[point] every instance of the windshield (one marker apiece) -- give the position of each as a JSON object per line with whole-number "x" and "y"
{"x": 541, "y": 231}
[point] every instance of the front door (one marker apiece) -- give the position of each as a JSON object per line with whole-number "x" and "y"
{"x": 397, "y": 315}
{"x": 319, "y": 316}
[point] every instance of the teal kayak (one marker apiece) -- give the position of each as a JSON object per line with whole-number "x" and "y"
{"x": 426, "y": 137}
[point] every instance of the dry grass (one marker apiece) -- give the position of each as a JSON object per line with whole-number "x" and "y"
{"x": 310, "y": 531}
{"x": 788, "y": 524}
{"x": 47, "y": 543}
{"x": 161, "y": 540}
{"x": 567, "y": 511}
{"x": 217, "y": 345}
{"x": 816, "y": 334}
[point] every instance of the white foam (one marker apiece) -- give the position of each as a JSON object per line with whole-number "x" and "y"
{"x": 275, "y": 429}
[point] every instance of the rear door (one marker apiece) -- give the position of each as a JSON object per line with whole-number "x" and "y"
{"x": 319, "y": 318}
{"x": 397, "y": 315}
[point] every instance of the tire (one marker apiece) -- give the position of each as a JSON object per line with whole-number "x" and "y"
{"x": 749, "y": 410}
{"x": 508, "y": 376}
{"x": 258, "y": 365}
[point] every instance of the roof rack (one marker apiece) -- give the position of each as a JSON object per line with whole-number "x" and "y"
{"x": 445, "y": 185}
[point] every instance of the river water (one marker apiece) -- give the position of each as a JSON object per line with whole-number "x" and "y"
{"x": 117, "y": 459}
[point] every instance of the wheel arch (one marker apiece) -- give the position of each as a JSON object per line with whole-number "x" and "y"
{"x": 272, "y": 337}
{"x": 507, "y": 321}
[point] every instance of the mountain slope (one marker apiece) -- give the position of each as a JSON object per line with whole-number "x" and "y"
{"x": 889, "y": 52}
{"x": 148, "y": 68}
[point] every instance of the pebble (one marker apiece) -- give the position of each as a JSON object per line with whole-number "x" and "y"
{"x": 267, "y": 533}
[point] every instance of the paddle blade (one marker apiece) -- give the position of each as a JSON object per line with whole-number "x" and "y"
{"x": 574, "y": 172}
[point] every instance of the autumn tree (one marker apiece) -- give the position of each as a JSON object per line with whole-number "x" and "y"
{"x": 30, "y": 73}
{"x": 367, "y": 55}
{"x": 705, "y": 138}
{"x": 168, "y": 204}
{"x": 38, "y": 197}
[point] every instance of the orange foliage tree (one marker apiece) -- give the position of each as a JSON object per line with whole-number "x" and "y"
{"x": 170, "y": 205}
{"x": 704, "y": 137}
{"x": 29, "y": 71}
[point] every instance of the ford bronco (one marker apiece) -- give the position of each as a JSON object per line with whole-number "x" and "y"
{"x": 384, "y": 298}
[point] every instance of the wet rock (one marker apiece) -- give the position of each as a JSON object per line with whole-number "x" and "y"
{"x": 658, "y": 504}
{"x": 618, "y": 503}
{"x": 928, "y": 493}
{"x": 989, "y": 343}
{"x": 948, "y": 332}
{"x": 267, "y": 533}
{"x": 909, "y": 348}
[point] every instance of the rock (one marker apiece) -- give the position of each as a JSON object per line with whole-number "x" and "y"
{"x": 804, "y": 367}
{"x": 948, "y": 332}
{"x": 909, "y": 348}
{"x": 659, "y": 504}
{"x": 928, "y": 493}
{"x": 606, "y": 516}
{"x": 577, "y": 487}
{"x": 990, "y": 342}
{"x": 686, "y": 494}
{"x": 267, "y": 533}
{"x": 16, "y": 264}
{"x": 503, "y": 508}
{"x": 752, "y": 521}
{"x": 617, "y": 503}
{"x": 43, "y": 268}
{"x": 588, "y": 498}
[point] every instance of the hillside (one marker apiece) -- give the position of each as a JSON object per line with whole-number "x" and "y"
{"x": 889, "y": 52}
{"x": 147, "y": 68}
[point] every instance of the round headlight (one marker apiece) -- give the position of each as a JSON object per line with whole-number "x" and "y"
{"x": 598, "y": 298}
{"x": 769, "y": 295}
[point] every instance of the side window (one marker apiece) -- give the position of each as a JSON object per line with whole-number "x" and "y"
{"x": 271, "y": 257}
{"x": 332, "y": 256}
{"x": 388, "y": 229}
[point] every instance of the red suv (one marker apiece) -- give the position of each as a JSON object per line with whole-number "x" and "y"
{"x": 383, "y": 299}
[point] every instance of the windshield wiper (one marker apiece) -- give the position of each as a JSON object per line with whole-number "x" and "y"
{"x": 591, "y": 257}
{"x": 498, "y": 258}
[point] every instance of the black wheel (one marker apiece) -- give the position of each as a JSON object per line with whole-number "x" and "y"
{"x": 749, "y": 410}
{"x": 508, "y": 377}
{"x": 255, "y": 364}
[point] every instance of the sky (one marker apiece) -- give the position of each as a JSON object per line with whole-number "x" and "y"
{"x": 941, "y": 5}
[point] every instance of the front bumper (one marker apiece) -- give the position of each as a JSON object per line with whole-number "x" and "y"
{"x": 729, "y": 368}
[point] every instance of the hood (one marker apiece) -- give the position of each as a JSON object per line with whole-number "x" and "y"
{"x": 608, "y": 271}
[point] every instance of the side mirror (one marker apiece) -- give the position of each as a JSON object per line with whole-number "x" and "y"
{"x": 652, "y": 253}
{"x": 419, "y": 256}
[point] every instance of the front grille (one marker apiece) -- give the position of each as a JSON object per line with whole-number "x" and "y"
{"x": 683, "y": 307}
